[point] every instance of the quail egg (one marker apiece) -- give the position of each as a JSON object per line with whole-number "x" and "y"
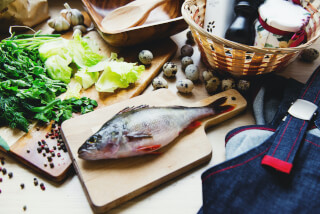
{"x": 227, "y": 84}
{"x": 145, "y": 57}
{"x": 185, "y": 61}
{"x": 309, "y": 54}
{"x": 190, "y": 39}
{"x": 192, "y": 72}
{"x": 243, "y": 85}
{"x": 159, "y": 82}
{"x": 170, "y": 69}
{"x": 186, "y": 50}
{"x": 184, "y": 85}
{"x": 207, "y": 75}
{"x": 212, "y": 85}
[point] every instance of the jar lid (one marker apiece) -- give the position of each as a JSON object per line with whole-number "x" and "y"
{"x": 284, "y": 15}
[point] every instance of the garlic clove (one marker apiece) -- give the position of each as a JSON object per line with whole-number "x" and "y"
{"x": 51, "y": 23}
{"x": 64, "y": 12}
{"x": 82, "y": 28}
{"x": 76, "y": 32}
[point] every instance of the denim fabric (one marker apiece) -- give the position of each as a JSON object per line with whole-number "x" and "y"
{"x": 273, "y": 99}
{"x": 317, "y": 120}
{"x": 243, "y": 139}
{"x": 243, "y": 185}
{"x": 289, "y": 134}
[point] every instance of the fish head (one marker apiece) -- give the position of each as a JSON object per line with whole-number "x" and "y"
{"x": 101, "y": 146}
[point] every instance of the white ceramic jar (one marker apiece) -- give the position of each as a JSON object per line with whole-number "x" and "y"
{"x": 281, "y": 24}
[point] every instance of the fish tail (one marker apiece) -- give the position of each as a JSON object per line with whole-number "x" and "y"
{"x": 218, "y": 106}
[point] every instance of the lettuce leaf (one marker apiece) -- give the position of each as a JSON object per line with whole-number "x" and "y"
{"x": 58, "y": 68}
{"x": 73, "y": 89}
{"x": 54, "y": 47}
{"x": 81, "y": 52}
{"x": 118, "y": 75}
{"x": 85, "y": 78}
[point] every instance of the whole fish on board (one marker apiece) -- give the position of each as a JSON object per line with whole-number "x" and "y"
{"x": 141, "y": 130}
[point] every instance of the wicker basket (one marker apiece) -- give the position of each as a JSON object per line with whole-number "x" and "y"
{"x": 238, "y": 59}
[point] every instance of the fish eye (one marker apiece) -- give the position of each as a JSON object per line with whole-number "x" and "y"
{"x": 92, "y": 139}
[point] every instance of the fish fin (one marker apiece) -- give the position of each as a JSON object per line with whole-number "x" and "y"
{"x": 218, "y": 106}
{"x": 138, "y": 135}
{"x": 193, "y": 125}
{"x": 151, "y": 148}
{"x": 132, "y": 108}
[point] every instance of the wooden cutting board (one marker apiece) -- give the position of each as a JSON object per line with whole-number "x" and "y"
{"x": 53, "y": 160}
{"x": 108, "y": 183}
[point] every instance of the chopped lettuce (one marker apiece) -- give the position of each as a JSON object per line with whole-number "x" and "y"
{"x": 52, "y": 48}
{"x": 58, "y": 68}
{"x": 73, "y": 89}
{"x": 100, "y": 66}
{"x": 81, "y": 52}
{"x": 61, "y": 53}
{"x": 85, "y": 78}
{"x": 118, "y": 75}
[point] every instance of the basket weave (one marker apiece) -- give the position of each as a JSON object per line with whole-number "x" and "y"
{"x": 239, "y": 59}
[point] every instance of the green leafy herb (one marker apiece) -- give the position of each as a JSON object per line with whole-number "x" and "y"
{"x": 61, "y": 110}
{"x": 26, "y": 90}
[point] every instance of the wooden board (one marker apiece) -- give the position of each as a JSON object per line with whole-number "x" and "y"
{"x": 108, "y": 183}
{"x": 24, "y": 146}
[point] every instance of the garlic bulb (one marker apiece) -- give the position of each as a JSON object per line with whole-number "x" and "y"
{"x": 59, "y": 24}
{"x": 73, "y": 16}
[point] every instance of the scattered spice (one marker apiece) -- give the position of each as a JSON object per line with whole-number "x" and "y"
{"x": 22, "y": 186}
{"x": 0, "y": 179}
{"x": 4, "y": 171}
{"x": 39, "y": 149}
{"x": 28, "y": 151}
{"x": 49, "y": 158}
{"x": 24, "y": 208}
{"x": 10, "y": 174}
{"x": 2, "y": 161}
{"x": 51, "y": 165}
{"x": 42, "y": 186}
